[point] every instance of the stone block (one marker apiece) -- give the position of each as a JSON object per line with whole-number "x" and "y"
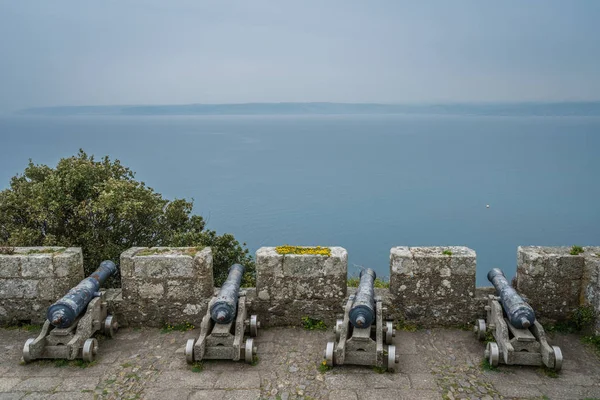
{"x": 127, "y": 264}
{"x": 301, "y": 277}
{"x": 69, "y": 264}
{"x": 433, "y": 285}
{"x": 152, "y": 313}
{"x": 149, "y": 290}
{"x": 10, "y": 266}
{"x": 17, "y": 288}
{"x": 590, "y": 282}
{"x": 37, "y": 266}
{"x": 183, "y": 290}
{"x": 163, "y": 264}
{"x": 47, "y": 289}
{"x": 165, "y": 285}
{"x": 551, "y": 279}
{"x": 33, "y": 278}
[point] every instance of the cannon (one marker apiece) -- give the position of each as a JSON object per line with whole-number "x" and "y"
{"x": 361, "y": 334}
{"x": 72, "y": 320}
{"x": 225, "y": 324}
{"x": 519, "y": 338}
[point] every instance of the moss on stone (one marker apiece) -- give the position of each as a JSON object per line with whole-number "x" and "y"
{"x": 47, "y": 251}
{"x": 153, "y": 251}
{"x": 318, "y": 250}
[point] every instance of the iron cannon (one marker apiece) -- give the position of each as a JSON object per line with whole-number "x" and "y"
{"x": 520, "y": 314}
{"x": 224, "y": 308}
{"x": 519, "y": 338}
{"x": 63, "y": 313}
{"x": 361, "y": 335}
{"x": 223, "y": 327}
{"x": 362, "y": 313}
{"x": 72, "y": 320}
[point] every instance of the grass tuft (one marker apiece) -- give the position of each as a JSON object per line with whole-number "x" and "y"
{"x": 548, "y": 372}
{"x": 313, "y": 324}
{"x": 447, "y": 252}
{"x": 183, "y": 327}
{"x": 61, "y": 362}
{"x": 82, "y": 364}
{"x": 323, "y": 367}
{"x": 406, "y": 326}
{"x": 593, "y": 340}
{"x": 486, "y": 366}
{"x": 197, "y": 367}
{"x": 576, "y": 250}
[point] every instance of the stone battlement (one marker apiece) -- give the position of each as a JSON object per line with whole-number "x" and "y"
{"x": 429, "y": 286}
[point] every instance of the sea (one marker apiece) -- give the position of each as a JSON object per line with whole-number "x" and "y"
{"x": 363, "y": 182}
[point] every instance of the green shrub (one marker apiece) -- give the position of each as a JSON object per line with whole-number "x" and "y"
{"x": 100, "y": 207}
{"x": 576, "y": 250}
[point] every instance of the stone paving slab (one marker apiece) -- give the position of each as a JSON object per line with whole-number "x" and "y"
{"x": 434, "y": 364}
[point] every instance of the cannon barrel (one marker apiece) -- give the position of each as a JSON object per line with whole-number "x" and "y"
{"x": 520, "y": 314}
{"x": 224, "y": 309}
{"x": 64, "y": 312}
{"x": 362, "y": 313}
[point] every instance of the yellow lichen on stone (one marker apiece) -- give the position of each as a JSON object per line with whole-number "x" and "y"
{"x": 287, "y": 249}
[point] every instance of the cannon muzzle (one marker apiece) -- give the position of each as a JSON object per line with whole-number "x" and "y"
{"x": 519, "y": 313}
{"x": 362, "y": 313}
{"x": 224, "y": 309}
{"x": 64, "y": 312}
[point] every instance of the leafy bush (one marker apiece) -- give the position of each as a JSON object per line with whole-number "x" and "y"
{"x": 99, "y": 206}
{"x": 576, "y": 250}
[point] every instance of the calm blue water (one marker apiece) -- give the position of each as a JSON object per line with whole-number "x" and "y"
{"x": 366, "y": 183}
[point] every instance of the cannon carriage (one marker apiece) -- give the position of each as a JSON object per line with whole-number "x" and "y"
{"x": 361, "y": 336}
{"x": 66, "y": 333}
{"x": 225, "y": 325}
{"x": 519, "y": 338}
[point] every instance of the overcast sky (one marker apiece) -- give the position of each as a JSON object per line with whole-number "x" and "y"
{"x": 170, "y": 52}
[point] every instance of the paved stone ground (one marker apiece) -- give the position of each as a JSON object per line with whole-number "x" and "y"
{"x": 434, "y": 364}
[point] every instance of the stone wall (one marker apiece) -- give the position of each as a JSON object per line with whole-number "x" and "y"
{"x": 429, "y": 286}
{"x": 291, "y": 286}
{"x": 163, "y": 285}
{"x": 557, "y": 283}
{"x": 433, "y": 285}
{"x": 590, "y": 282}
{"x": 32, "y": 278}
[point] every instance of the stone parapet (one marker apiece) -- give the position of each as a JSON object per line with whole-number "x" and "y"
{"x": 433, "y": 285}
{"x": 551, "y": 279}
{"x": 557, "y": 283}
{"x": 165, "y": 285}
{"x": 290, "y": 286}
{"x": 32, "y": 278}
{"x": 590, "y": 282}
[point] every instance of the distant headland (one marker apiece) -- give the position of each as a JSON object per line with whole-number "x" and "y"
{"x": 590, "y": 108}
